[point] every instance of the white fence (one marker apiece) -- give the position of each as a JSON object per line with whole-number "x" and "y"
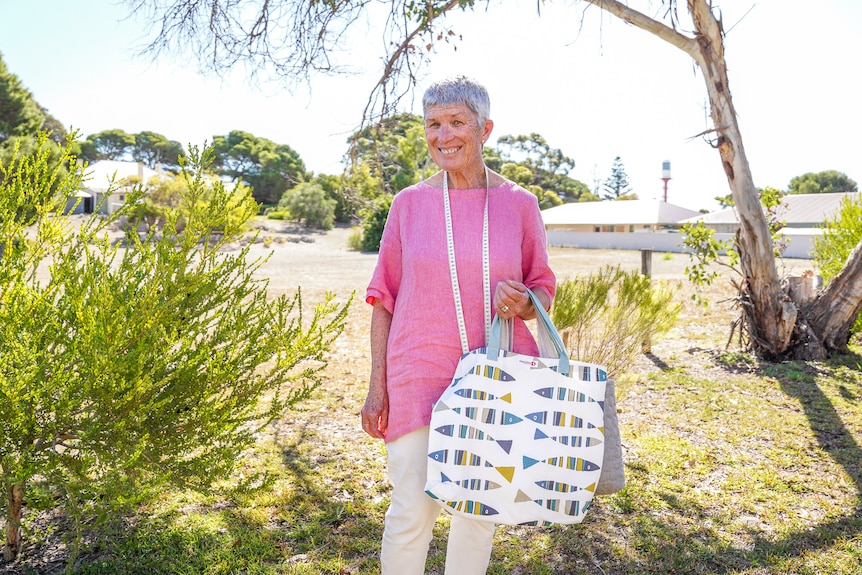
{"x": 797, "y": 246}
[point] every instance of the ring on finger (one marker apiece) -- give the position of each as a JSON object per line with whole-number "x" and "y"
{"x": 504, "y": 308}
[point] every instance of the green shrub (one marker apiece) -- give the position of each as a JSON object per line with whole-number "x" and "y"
{"x": 354, "y": 242}
{"x": 307, "y": 202}
{"x": 375, "y": 222}
{"x": 704, "y": 248}
{"x": 841, "y": 233}
{"x": 129, "y": 369}
{"x": 605, "y": 317}
{"x": 274, "y": 214}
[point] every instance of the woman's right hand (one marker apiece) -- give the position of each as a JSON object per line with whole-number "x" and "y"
{"x": 375, "y": 412}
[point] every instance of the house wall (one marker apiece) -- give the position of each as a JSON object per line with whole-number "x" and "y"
{"x": 602, "y": 228}
{"x": 798, "y": 247}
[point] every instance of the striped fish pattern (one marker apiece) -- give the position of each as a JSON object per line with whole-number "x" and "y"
{"x": 560, "y": 487}
{"x": 472, "y": 507}
{"x": 491, "y": 372}
{"x": 559, "y": 419}
{"x": 571, "y": 463}
{"x": 472, "y": 484}
{"x": 470, "y": 432}
{"x": 565, "y": 506}
{"x": 585, "y": 373}
{"x": 459, "y": 457}
{"x": 482, "y": 395}
{"x": 488, "y": 415}
{"x": 570, "y": 440}
{"x": 566, "y": 394}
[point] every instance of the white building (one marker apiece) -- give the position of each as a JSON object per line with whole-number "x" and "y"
{"x": 802, "y": 215}
{"x": 114, "y": 176}
{"x": 622, "y": 224}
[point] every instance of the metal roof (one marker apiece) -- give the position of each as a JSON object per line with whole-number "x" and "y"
{"x": 796, "y": 210}
{"x": 621, "y": 212}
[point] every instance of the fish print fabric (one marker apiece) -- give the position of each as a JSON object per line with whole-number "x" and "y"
{"x": 513, "y": 441}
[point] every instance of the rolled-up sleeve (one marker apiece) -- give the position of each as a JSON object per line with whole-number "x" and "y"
{"x": 386, "y": 279}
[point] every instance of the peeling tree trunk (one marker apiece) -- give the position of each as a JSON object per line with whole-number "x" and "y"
{"x": 14, "y": 513}
{"x": 773, "y": 321}
{"x": 833, "y": 313}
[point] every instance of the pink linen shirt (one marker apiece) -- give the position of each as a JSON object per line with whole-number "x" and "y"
{"x": 413, "y": 283}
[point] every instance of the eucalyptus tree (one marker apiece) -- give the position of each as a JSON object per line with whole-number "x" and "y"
{"x": 270, "y": 169}
{"x": 114, "y": 144}
{"x": 295, "y": 39}
{"x": 155, "y": 149}
{"x": 550, "y": 166}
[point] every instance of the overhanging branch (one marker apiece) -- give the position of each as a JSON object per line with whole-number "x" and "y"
{"x": 651, "y": 25}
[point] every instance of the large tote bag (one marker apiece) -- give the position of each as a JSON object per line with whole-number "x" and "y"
{"x": 517, "y": 439}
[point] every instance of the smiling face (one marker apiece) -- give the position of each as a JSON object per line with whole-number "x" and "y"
{"x": 455, "y": 142}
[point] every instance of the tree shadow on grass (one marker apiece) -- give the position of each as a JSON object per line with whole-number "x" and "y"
{"x": 334, "y": 516}
{"x": 321, "y": 522}
{"x": 685, "y": 537}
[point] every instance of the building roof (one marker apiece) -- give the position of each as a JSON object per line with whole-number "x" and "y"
{"x": 621, "y": 212}
{"x": 796, "y": 210}
{"x": 98, "y": 175}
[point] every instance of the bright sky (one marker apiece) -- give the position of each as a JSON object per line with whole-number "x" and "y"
{"x": 596, "y": 88}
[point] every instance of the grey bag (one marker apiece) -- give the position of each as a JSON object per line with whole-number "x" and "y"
{"x": 613, "y": 477}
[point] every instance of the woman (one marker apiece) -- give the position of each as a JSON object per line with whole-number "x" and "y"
{"x": 415, "y": 334}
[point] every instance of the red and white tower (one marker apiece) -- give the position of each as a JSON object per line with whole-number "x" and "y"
{"x": 665, "y": 176}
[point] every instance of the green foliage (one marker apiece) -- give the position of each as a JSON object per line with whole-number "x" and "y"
{"x": 147, "y": 147}
{"x": 705, "y": 249}
{"x": 827, "y": 182}
{"x": 129, "y": 369}
{"x": 605, "y": 317}
{"x": 393, "y": 151}
{"x": 31, "y": 146}
{"x": 269, "y": 168}
{"x": 354, "y": 241}
{"x": 725, "y": 201}
{"x": 308, "y": 203}
{"x": 547, "y": 199}
{"x": 163, "y": 198}
{"x": 518, "y": 173}
{"x": 107, "y": 145}
{"x": 20, "y": 114}
{"x": 337, "y": 191}
{"x": 842, "y": 232}
{"x": 153, "y": 149}
{"x": 375, "y": 222}
{"x": 549, "y": 167}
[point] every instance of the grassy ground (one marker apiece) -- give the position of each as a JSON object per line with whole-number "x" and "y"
{"x": 733, "y": 467}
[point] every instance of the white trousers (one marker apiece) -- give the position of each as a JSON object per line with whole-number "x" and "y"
{"x": 412, "y": 513}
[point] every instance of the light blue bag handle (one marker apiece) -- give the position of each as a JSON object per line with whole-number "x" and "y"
{"x": 544, "y": 327}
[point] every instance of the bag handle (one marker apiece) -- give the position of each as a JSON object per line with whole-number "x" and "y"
{"x": 550, "y": 342}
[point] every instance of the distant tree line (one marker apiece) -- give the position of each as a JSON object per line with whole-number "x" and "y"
{"x": 382, "y": 159}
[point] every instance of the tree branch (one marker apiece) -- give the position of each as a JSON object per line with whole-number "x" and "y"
{"x": 651, "y": 25}
{"x": 396, "y": 58}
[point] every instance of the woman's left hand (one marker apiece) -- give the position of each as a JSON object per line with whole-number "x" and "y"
{"x": 511, "y": 299}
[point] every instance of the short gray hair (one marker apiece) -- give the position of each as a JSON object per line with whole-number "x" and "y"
{"x": 459, "y": 90}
